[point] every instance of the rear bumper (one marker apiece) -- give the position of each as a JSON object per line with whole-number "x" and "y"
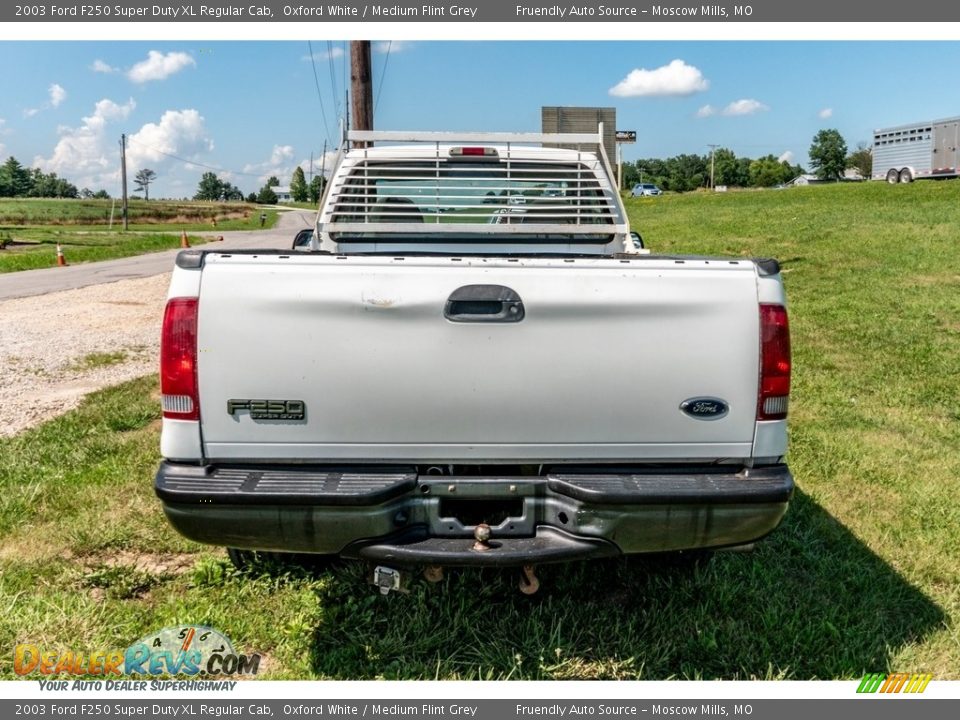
{"x": 392, "y": 515}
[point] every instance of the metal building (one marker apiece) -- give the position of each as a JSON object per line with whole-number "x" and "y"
{"x": 561, "y": 119}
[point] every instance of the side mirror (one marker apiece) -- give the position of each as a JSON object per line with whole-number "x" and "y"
{"x": 637, "y": 240}
{"x": 303, "y": 239}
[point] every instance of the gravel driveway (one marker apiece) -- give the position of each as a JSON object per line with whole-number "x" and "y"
{"x": 56, "y": 348}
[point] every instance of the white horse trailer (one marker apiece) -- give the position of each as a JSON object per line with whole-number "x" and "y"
{"x": 920, "y": 150}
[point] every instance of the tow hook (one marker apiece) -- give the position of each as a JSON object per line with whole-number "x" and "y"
{"x": 481, "y": 533}
{"x": 386, "y": 579}
{"x": 529, "y": 582}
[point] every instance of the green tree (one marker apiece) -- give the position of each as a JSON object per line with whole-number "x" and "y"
{"x": 862, "y": 160}
{"x": 316, "y": 188}
{"x": 101, "y": 195}
{"x": 230, "y": 192}
{"x": 15, "y": 179}
{"x": 766, "y": 171}
{"x": 298, "y": 185}
{"x": 210, "y": 187}
{"x": 143, "y": 179}
{"x": 252, "y": 198}
{"x": 725, "y": 168}
{"x": 272, "y": 181}
{"x": 828, "y": 154}
{"x": 267, "y": 196}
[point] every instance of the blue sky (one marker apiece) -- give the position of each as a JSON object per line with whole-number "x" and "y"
{"x": 251, "y": 109}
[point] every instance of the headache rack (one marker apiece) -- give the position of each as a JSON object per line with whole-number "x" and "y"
{"x": 475, "y": 188}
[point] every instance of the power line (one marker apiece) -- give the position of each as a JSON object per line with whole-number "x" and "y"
{"x": 193, "y": 162}
{"x": 316, "y": 80}
{"x": 383, "y": 75}
{"x": 333, "y": 78}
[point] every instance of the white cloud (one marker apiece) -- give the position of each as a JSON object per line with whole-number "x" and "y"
{"x": 279, "y": 164}
{"x": 86, "y": 155}
{"x": 57, "y": 94}
{"x": 786, "y": 157}
{"x": 281, "y": 154}
{"x": 99, "y": 66}
{"x": 3, "y": 149}
{"x": 825, "y": 113}
{"x": 179, "y": 132}
{"x": 331, "y": 54}
{"x": 747, "y": 106}
{"x": 158, "y": 66}
{"x": 30, "y": 112}
{"x": 677, "y": 78}
{"x": 391, "y": 46}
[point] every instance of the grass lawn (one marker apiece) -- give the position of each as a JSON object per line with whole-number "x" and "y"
{"x": 40, "y": 250}
{"x": 31, "y": 228}
{"x": 863, "y": 575}
{"x": 18, "y": 213}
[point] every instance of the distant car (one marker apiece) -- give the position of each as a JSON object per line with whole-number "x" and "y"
{"x": 645, "y": 190}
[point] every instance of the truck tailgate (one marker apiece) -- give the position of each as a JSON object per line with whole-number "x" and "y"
{"x": 606, "y": 352}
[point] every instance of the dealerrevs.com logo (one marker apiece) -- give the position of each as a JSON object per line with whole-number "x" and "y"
{"x": 190, "y": 650}
{"x": 894, "y": 683}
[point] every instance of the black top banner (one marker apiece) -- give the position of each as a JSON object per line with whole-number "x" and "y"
{"x": 482, "y": 11}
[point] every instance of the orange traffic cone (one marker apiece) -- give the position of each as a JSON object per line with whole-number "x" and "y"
{"x": 184, "y": 243}
{"x": 61, "y": 260}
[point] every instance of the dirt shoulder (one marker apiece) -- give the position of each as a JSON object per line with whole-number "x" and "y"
{"x": 56, "y": 348}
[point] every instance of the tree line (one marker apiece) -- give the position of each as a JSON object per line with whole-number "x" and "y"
{"x": 16, "y": 180}
{"x": 212, "y": 187}
{"x": 829, "y": 158}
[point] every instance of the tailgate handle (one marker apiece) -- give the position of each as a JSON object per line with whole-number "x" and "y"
{"x": 484, "y": 303}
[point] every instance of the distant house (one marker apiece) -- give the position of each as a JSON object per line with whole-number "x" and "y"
{"x": 849, "y": 175}
{"x": 805, "y": 179}
{"x": 283, "y": 193}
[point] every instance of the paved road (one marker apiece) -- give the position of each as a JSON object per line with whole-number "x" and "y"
{"x": 47, "y": 280}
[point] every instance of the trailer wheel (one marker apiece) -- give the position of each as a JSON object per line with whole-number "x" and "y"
{"x": 893, "y": 177}
{"x": 906, "y": 176}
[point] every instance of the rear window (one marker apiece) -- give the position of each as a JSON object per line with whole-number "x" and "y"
{"x": 386, "y": 197}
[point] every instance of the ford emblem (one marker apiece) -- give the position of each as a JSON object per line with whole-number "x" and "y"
{"x": 705, "y": 408}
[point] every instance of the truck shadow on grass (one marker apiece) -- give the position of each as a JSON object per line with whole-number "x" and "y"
{"x": 810, "y": 602}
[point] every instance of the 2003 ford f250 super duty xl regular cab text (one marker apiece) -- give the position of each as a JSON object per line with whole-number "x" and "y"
{"x": 472, "y": 364}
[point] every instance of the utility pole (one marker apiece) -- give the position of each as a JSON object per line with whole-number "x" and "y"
{"x": 123, "y": 176}
{"x": 361, "y": 85}
{"x": 619, "y": 167}
{"x": 323, "y": 168}
{"x": 712, "y": 148}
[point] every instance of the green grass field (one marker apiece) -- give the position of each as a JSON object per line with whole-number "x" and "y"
{"x": 142, "y": 214}
{"x": 31, "y": 228}
{"x": 863, "y": 575}
{"x": 31, "y": 254}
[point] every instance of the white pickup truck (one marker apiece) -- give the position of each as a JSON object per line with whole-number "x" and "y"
{"x": 471, "y": 365}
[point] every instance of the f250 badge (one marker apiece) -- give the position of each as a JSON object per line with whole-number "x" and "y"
{"x": 705, "y": 408}
{"x": 269, "y": 409}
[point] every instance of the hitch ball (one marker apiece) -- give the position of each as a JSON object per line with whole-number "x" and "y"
{"x": 481, "y": 533}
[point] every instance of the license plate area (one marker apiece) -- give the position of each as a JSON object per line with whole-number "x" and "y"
{"x": 455, "y": 507}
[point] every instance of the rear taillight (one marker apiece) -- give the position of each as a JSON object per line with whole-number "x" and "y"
{"x": 774, "y": 363}
{"x": 178, "y": 360}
